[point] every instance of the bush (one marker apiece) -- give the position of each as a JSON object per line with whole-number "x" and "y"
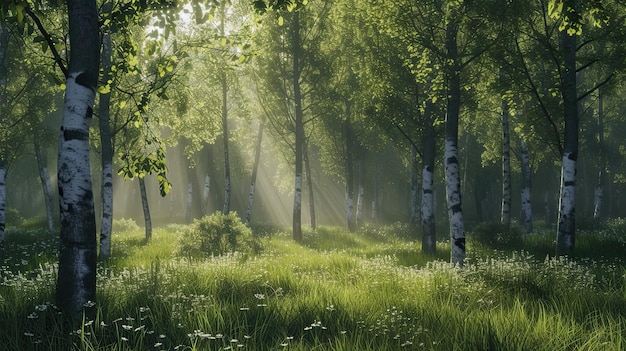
{"x": 216, "y": 235}
{"x": 124, "y": 225}
{"x": 497, "y": 235}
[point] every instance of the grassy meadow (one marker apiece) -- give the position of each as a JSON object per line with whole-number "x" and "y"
{"x": 369, "y": 290}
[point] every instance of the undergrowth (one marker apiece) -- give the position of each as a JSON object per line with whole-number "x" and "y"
{"x": 367, "y": 290}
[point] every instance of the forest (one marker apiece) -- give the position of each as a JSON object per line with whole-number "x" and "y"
{"x": 312, "y": 175}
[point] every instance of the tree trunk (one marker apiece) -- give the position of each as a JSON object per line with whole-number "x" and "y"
{"x": 146, "y": 208}
{"x": 205, "y": 194}
{"x": 46, "y": 185}
{"x": 255, "y": 168}
{"x": 451, "y": 162}
{"x": 227, "y": 185}
{"x": 106, "y": 225}
{"x": 599, "y": 191}
{"x": 527, "y": 214}
{"x": 76, "y": 284}
{"x": 429, "y": 237}
{"x": 299, "y": 131}
{"x": 566, "y": 232}
{"x": 505, "y": 213}
{"x": 349, "y": 171}
{"x": 309, "y": 181}
{"x": 415, "y": 207}
{"x": 361, "y": 193}
{"x": 3, "y": 200}
{"x": 4, "y": 45}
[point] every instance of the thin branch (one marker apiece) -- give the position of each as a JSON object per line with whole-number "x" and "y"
{"x": 57, "y": 58}
{"x": 598, "y": 86}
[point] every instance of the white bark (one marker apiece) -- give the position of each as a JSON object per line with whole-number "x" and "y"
{"x": 527, "y": 216}
{"x": 205, "y": 193}
{"x": 359, "y": 204}
{"x": 455, "y": 214}
{"x": 597, "y": 201}
{"x": 427, "y": 209}
{"x": 349, "y": 209}
{"x": 505, "y": 215}
{"x": 189, "y": 202}
{"x": 567, "y": 205}
{"x": 77, "y": 279}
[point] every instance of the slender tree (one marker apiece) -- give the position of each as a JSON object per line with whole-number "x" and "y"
{"x": 76, "y": 284}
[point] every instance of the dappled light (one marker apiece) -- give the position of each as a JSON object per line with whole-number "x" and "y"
{"x": 312, "y": 175}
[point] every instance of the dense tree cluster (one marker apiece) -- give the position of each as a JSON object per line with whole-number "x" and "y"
{"x": 410, "y": 106}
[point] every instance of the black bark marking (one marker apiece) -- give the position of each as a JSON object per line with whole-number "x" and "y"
{"x": 75, "y": 134}
{"x": 451, "y": 160}
{"x": 569, "y": 183}
{"x": 89, "y": 111}
{"x": 83, "y": 79}
{"x": 460, "y": 243}
{"x": 573, "y": 156}
{"x": 427, "y": 191}
{"x": 456, "y": 208}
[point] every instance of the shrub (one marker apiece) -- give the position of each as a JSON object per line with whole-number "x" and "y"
{"x": 497, "y": 235}
{"x": 216, "y": 235}
{"x": 124, "y": 225}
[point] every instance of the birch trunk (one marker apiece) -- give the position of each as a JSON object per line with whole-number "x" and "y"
{"x": 299, "y": 130}
{"x": 415, "y": 207}
{"x": 205, "y": 194}
{"x": 255, "y": 168}
{"x": 527, "y": 215}
{"x": 146, "y": 208}
{"x": 451, "y": 161}
{"x": 76, "y": 284}
{"x": 227, "y": 182}
{"x": 189, "y": 199}
{"x": 106, "y": 225}
{"x": 349, "y": 170}
{"x": 46, "y": 185}
{"x": 224, "y": 84}
{"x": 505, "y": 213}
{"x": 566, "y": 232}
{"x": 360, "y": 194}
{"x": 598, "y": 193}
{"x": 429, "y": 238}
{"x": 309, "y": 181}
{"x": 3, "y": 200}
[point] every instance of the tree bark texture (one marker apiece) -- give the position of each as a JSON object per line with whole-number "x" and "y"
{"x": 255, "y": 168}
{"x": 567, "y": 206}
{"x": 451, "y": 160}
{"x": 598, "y": 193}
{"x": 429, "y": 238}
{"x": 299, "y": 130}
{"x": 76, "y": 284}
{"x": 527, "y": 214}
{"x": 106, "y": 224}
{"x": 146, "y": 208}
{"x": 309, "y": 182}
{"x": 505, "y": 213}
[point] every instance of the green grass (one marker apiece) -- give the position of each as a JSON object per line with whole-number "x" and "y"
{"x": 370, "y": 290}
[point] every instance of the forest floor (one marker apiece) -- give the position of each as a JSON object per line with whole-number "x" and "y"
{"x": 369, "y": 290}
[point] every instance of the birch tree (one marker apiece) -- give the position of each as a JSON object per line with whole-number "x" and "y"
{"x": 76, "y": 284}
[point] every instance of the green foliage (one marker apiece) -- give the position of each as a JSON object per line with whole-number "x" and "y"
{"x": 123, "y": 225}
{"x": 496, "y": 235}
{"x": 13, "y": 217}
{"x": 216, "y": 235}
{"x": 324, "y": 298}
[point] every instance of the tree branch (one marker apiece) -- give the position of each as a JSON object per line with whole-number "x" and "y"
{"x": 57, "y": 58}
